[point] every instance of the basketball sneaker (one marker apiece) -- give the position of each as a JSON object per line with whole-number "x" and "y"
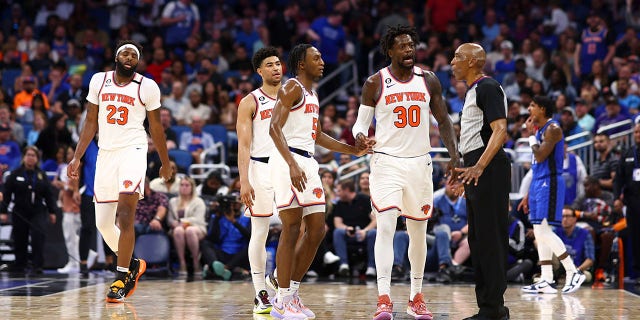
{"x": 261, "y": 303}
{"x": 541, "y": 286}
{"x": 573, "y": 282}
{"x": 137, "y": 267}
{"x": 272, "y": 285}
{"x": 286, "y": 309}
{"x": 116, "y": 292}
{"x": 385, "y": 308}
{"x": 304, "y": 309}
{"x": 418, "y": 308}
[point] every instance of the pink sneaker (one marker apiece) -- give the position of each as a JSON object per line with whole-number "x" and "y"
{"x": 385, "y": 308}
{"x": 418, "y": 308}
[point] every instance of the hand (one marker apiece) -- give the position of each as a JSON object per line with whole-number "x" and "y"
{"x": 451, "y": 172}
{"x": 524, "y": 205}
{"x": 185, "y": 224}
{"x": 361, "y": 234}
{"x": 52, "y": 218}
{"x": 72, "y": 169}
{"x": 298, "y": 177}
{"x": 470, "y": 174}
{"x": 247, "y": 194}
{"x": 4, "y": 218}
{"x": 350, "y": 232}
{"x": 166, "y": 172}
{"x": 529, "y": 234}
{"x": 76, "y": 197}
{"x": 155, "y": 225}
{"x": 458, "y": 189}
{"x": 531, "y": 128}
{"x": 363, "y": 142}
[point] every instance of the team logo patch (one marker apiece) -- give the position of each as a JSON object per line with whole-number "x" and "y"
{"x": 318, "y": 192}
{"x": 425, "y": 209}
{"x": 261, "y": 99}
{"x": 387, "y": 80}
{"x": 127, "y": 184}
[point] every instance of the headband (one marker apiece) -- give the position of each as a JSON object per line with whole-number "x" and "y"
{"x": 129, "y": 46}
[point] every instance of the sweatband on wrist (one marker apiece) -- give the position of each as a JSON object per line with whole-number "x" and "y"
{"x": 533, "y": 141}
{"x": 365, "y": 116}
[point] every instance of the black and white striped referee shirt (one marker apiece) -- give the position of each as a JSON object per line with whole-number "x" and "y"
{"x": 484, "y": 103}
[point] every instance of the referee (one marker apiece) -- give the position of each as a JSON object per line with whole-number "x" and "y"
{"x": 626, "y": 188}
{"x": 486, "y": 177}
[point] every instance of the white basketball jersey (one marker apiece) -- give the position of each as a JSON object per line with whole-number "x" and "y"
{"x": 300, "y": 128}
{"x": 122, "y": 109}
{"x": 261, "y": 142}
{"x": 402, "y": 115}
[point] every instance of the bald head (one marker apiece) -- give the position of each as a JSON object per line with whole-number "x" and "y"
{"x": 473, "y": 51}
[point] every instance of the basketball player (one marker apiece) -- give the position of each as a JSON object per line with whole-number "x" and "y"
{"x": 545, "y": 199}
{"x": 254, "y": 147}
{"x": 295, "y": 130}
{"x": 118, "y": 103}
{"x": 486, "y": 178}
{"x": 401, "y": 96}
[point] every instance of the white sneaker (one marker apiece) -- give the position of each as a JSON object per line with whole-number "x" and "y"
{"x": 343, "y": 270}
{"x": 330, "y": 258}
{"x": 306, "y": 311}
{"x": 540, "y": 287}
{"x": 371, "y": 272}
{"x": 312, "y": 274}
{"x": 573, "y": 282}
{"x": 272, "y": 285}
{"x": 286, "y": 310}
{"x": 70, "y": 267}
{"x": 91, "y": 259}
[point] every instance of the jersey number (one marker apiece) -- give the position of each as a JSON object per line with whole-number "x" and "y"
{"x": 314, "y": 126}
{"x": 121, "y": 118}
{"x": 407, "y": 116}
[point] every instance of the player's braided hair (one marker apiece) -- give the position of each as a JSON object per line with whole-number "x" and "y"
{"x": 297, "y": 54}
{"x": 262, "y": 54}
{"x": 388, "y": 39}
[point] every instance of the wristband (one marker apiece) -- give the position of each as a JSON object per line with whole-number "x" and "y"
{"x": 156, "y": 218}
{"x": 533, "y": 141}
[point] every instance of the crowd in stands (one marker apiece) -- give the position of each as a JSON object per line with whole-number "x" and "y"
{"x": 585, "y": 55}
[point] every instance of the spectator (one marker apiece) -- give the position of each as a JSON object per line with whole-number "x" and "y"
{"x": 39, "y": 124}
{"x": 17, "y": 131}
{"x": 177, "y": 99}
{"x": 363, "y": 184}
{"x": 596, "y": 43}
{"x": 187, "y": 222}
{"x": 612, "y": 115}
{"x": 457, "y": 102}
{"x": 193, "y": 109}
{"x": 27, "y": 43}
{"x": 606, "y": 164}
{"x": 159, "y": 63}
{"x": 166, "y": 119}
{"x": 212, "y": 186}
{"x": 574, "y": 175}
{"x": 450, "y": 233}
{"x": 628, "y": 101}
{"x": 536, "y": 70}
{"x": 181, "y": 19}
{"x": 519, "y": 264}
{"x": 283, "y": 27}
{"x": 570, "y": 127}
{"x": 22, "y": 100}
{"x": 354, "y": 224}
{"x": 151, "y": 210}
{"x": 60, "y": 44}
{"x": 578, "y": 242}
{"x": 53, "y": 136}
{"x": 196, "y": 141}
{"x": 507, "y": 65}
{"x": 73, "y": 91}
{"x": 70, "y": 213}
{"x": 225, "y": 249}
{"x": 585, "y": 120}
{"x": 327, "y": 34}
{"x": 9, "y": 150}
{"x": 438, "y": 13}
{"x": 169, "y": 187}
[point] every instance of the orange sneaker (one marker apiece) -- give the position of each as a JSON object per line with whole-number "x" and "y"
{"x": 385, "y": 308}
{"x": 136, "y": 269}
{"x": 418, "y": 308}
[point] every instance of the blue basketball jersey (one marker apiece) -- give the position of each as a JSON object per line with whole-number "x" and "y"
{"x": 552, "y": 165}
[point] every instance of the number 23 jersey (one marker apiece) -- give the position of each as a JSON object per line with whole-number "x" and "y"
{"x": 402, "y": 115}
{"x": 122, "y": 109}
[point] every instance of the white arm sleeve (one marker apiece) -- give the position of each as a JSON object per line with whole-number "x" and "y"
{"x": 365, "y": 116}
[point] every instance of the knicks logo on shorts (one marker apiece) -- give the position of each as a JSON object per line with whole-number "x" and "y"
{"x": 318, "y": 192}
{"x": 425, "y": 209}
{"x": 127, "y": 184}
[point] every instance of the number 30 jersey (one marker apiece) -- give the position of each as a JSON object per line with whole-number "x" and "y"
{"x": 122, "y": 109}
{"x": 402, "y": 115}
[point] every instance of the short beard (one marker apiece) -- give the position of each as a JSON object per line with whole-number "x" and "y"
{"x": 124, "y": 72}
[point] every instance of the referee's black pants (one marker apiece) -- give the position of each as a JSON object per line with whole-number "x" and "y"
{"x": 488, "y": 217}
{"x": 88, "y": 226}
{"x": 633, "y": 225}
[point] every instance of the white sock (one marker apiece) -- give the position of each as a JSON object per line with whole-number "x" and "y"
{"x": 106, "y": 223}
{"x": 294, "y": 285}
{"x": 547, "y": 272}
{"x": 417, "y": 253}
{"x": 386, "y": 228}
{"x": 568, "y": 265}
{"x": 257, "y": 251}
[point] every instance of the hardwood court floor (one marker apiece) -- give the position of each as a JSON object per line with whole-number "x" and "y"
{"x": 61, "y": 297}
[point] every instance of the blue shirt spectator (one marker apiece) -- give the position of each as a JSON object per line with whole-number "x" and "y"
{"x": 329, "y": 37}
{"x": 181, "y": 19}
{"x": 10, "y": 154}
